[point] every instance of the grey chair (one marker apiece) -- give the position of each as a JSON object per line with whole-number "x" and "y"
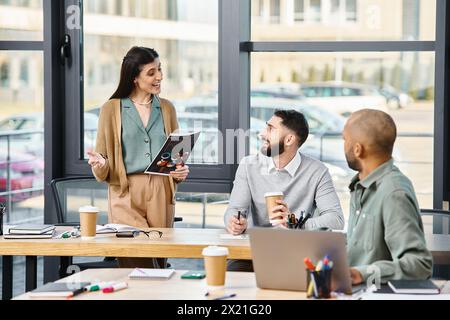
{"x": 69, "y": 194}
{"x": 435, "y": 213}
{"x": 440, "y": 271}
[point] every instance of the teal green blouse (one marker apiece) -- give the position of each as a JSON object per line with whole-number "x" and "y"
{"x": 139, "y": 144}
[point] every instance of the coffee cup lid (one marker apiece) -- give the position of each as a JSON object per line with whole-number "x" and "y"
{"x": 90, "y": 209}
{"x": 273, "y": 194}
{"x": 215, "y": 251}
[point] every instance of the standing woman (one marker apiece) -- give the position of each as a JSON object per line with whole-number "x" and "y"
{"x": 132, "y": 128}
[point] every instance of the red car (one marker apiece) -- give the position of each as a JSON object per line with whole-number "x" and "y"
{"x": 26, "y": 172}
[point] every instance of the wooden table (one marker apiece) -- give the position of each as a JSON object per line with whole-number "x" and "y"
{"x": 175, "y": 243}
{"x": 243, "y": 284}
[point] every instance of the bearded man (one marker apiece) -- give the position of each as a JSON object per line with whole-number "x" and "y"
{"x": 280, "y": 167}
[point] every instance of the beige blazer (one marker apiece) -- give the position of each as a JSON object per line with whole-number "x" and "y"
{"x": 109, "y": 143}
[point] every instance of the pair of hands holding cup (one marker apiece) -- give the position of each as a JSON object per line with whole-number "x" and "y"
{"x": 96, "y": 160}
{"x": 278, "y": 213}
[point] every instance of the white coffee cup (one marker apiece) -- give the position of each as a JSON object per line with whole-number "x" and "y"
{"x": 88, "y": 221}
{"x": 215, "y": 265}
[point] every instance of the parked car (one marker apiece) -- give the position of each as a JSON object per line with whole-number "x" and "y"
{"x": 26, "y": 172}
{"x": 344, "y": 98}
{"x": 278, "y": 90}
{"x": 33, "y": 143}
{"x": 394, "y": 98}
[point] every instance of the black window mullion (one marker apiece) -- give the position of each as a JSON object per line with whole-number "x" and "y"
{"x": 337, "y": 46}
{"x": 75, "y": 165}
{"x": 441, "y": 113}
{"x": 22, "y": 45}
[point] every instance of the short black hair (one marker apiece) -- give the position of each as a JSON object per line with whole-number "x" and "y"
{"x": 296, "y": 122}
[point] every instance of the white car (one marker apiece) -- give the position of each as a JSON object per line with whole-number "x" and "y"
{"x": 344, "y": 98}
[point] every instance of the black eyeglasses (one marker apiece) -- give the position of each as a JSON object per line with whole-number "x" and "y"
{"x": 153, "y": 233}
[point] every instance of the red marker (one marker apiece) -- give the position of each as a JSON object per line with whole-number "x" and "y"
{"x": 116, "y": 287}
{"x": 309, "y": 265}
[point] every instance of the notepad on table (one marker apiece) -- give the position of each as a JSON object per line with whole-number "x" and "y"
{"x": 48, "y": 235}
{"x": 59, "y": 289}
{"x": 30, "y": 229}
{"x": 414, "y": 286}
{"x": 143, "y": 273}
{"x": 114, "y": 228}
{"x": 227, "y": 236}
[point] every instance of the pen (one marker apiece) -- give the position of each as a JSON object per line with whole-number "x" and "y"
{"x": 226, "y": 296}
{"x": 116, "y": 287}
{"x": 313, "y": 280}
{"x": 98, "y": 286}
{"x": 309, "y": 265}
{"x": 141, "y": 271}
{"x": 319, "y": 266}
{"x": 300, "y": 219}
{"x": 304, "y": 221}
{"x": 239, "y": 216}
{"x": 64, "y": 235}
{"x": 310, "y": 289}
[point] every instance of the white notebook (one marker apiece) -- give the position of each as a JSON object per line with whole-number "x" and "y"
{"x": 227, "y": 236}
{"x": 142, "y": 273}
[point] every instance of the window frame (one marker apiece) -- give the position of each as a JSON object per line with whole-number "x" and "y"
{"x": 235, "y": 49}
{"x": 203, "y": 177}
{"x": 441, "y": 187}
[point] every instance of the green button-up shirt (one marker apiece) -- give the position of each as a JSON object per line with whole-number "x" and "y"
{"x": 139, "y": 144}
{"x": 385, "y": 232}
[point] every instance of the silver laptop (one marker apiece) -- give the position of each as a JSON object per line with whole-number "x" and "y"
{"x": 278, "y": 257}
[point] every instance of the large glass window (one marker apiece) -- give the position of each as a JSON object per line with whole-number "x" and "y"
{"x": 185, "y": 34}
{"x": 21, "y": 20}
{"x": 201, "y": 210}
{"x": 347, "y": 20}
{"x": 22, "y": 136}
{"x": 327, "y": 87}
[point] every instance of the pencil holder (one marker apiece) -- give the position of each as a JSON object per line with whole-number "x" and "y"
{"x": 318, "y": 284}
{"x": 291, "y": 225}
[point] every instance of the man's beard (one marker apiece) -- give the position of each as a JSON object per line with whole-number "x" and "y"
{"x": 352, "y": 162}
{"x": 273, "y": 150}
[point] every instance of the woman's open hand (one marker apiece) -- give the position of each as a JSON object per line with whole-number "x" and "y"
{"x": 96, "y": 160}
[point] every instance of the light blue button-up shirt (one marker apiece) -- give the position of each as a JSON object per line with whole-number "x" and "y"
{"x": 139, "y": 144}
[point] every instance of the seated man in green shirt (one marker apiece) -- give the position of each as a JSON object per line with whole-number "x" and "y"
{"x": 385, "y": 233}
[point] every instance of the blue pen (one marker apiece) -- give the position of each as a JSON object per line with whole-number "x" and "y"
{"x": 226, "y": 296}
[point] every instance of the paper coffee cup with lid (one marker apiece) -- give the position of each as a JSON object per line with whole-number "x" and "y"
{"x": 271, "y": 199}
{"x": 88, "y": 221}
{"x": 215, "y": 259}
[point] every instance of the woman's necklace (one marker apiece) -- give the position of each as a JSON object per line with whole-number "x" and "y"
{"x": 146, "y": 104}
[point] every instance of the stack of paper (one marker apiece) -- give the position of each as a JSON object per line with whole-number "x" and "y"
{"x": 141, "y": 273}
{"x": 30, "y": 231}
